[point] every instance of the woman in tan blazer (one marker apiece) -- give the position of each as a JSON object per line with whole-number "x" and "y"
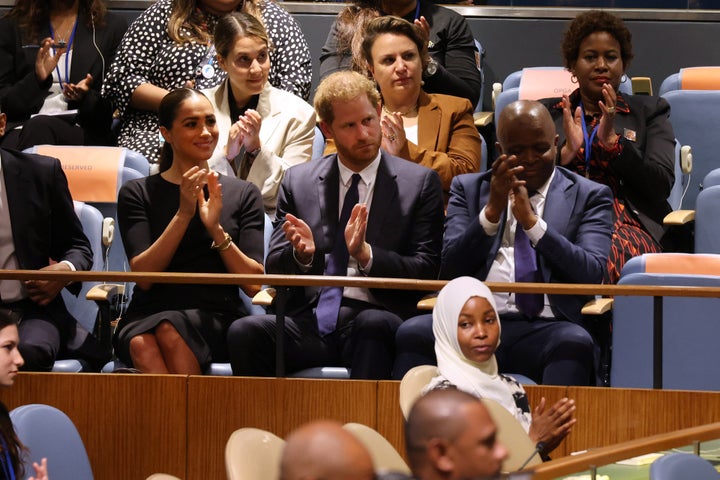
{"x": 433, "y": 130}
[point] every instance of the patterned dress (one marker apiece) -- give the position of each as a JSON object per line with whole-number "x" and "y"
{"x": 630, "y": 238}
{"x": 148, "y": 55}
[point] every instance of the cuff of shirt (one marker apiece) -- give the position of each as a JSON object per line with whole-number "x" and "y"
{"x": 304, "y": 267}
{"x": 69, "y": 264}
{"x": 537, "y": 231}
{"x": 366, "y": 270}
{"x": 489, "y": 227}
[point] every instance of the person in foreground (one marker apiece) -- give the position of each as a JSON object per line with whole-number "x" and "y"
{"x": 527, "y": 221}
{"x": 324, "y": 450}
{"x": 186, "y": 219}
{"x": 467, "y": 333}
{"x": 263, "y": 130}
{"x": 449, "y": 435}
{"x": 38, "y": 224}
{"x": 10, "y": 362}
{"x": 623, "y": 141}
{"x": 360, "y": 212}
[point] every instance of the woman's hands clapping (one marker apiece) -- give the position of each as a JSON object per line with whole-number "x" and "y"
{"x": 606, "y": 128}
{"x": 393, "y": 132}
{"x": 245, "y": 132}
{"x": 210, "y": 208}
{"x": 192, "y": 196}
{"x": 572, "y": 124}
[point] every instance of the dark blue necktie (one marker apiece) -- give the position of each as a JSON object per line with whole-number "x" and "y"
{"x": 328, "y": 305}
{"x": 526, "y": 270}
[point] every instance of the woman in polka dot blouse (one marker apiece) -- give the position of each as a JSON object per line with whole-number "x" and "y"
{"x": 170, "y": 46}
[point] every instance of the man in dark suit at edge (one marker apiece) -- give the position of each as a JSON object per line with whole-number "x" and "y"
{"x": 38, "y": 223}
{"x": 568, "y": 222}
{"x": 394, "y": 229}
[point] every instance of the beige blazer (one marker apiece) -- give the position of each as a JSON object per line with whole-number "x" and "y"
{"x": 286, "y": 136}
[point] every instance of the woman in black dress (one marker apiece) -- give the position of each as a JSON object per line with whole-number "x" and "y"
{"x": 186, "y": 219}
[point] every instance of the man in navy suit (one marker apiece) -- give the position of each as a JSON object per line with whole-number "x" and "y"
{"x": 568, "y": 221}
{"x": 394, "y": 229}
{"x": 38, "y": 223}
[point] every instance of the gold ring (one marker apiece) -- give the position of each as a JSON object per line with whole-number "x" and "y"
{"x": 611, "y": 109}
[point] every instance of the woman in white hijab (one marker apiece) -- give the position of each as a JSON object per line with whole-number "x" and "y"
{"x": 467, "y": 333}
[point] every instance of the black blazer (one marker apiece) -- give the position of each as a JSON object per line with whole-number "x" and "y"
{"x": 44, "y": 225}
{"x": 646, "y": 166}
{"x": 404, "y": 225}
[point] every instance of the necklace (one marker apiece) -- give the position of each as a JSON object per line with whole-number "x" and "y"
{"x": 61, "y": 33}
{"x": 409, "y": 113}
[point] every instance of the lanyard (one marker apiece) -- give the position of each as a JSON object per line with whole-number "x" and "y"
{"x": 205, "y": 68}
{"x": 588, "y": 141}
{"x": 7, "y": 465}
{"x": 67, "y": 55}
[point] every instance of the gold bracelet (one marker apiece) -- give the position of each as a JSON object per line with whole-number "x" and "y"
{"x": 224, "y": 245}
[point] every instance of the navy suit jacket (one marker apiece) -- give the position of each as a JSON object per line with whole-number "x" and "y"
{"x": 404, "y": 225}
{"x": 43, "y": 219}
{"x": 574, "y": 249}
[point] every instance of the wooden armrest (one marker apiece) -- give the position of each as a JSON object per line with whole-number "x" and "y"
{"x": 104, "y": 292}
{"x": 483, "y": 119}
{"x": 597, "y": 306}
{"x": 427, "y": 302}
{"x": 679, "y": 217}
{"x": 264, "y": 297}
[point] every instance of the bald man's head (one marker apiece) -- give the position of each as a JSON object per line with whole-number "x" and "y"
{"x": 323, "y": 450}
{"x": 526, "y": 130}
{"x": 450, "y": 435}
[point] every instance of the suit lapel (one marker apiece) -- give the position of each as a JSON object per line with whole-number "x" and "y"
{"x": 271, "y": 118}
{"x": 328, "y": 196}
{"x": 430, "y": 124}
{"x": 561, "y": 197}
{"x": 497, "y": 241}
{"x": 83, "y": 54}
{"x": 385, "y": 193}
{"x": 16, "y": 188}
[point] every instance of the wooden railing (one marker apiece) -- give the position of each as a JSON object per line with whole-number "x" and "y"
{"x": 594, "y": 459}
{"x": 657, "y": 292}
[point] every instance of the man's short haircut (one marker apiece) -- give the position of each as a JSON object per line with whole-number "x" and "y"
{"x": 342, "y": 87}
{"x": 435, "y": 415}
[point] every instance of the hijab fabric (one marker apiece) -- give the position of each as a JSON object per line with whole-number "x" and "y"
{"x": 479, "y": 379}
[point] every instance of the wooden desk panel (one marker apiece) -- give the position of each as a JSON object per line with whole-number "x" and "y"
{"x": 131, "y": 425}
{"x": 613, "y": 415}
{"x": 217, "y": 406}
{"x": 390, "y": 421}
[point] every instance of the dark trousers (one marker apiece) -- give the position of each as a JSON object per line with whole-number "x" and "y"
{"x": 46, "y": 130}
{"x": 550, "y": 352}
{"x": 363, "y": 341}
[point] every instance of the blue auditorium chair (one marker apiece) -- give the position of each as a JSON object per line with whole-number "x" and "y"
{"x": 83, "y": 310}
{"x": 47, "y": 432}
{"x": 692, "y": 78}
{"x": 675, "y": 466}
{"x": 690, "y": 326}
{"x": 695, "y": 117}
